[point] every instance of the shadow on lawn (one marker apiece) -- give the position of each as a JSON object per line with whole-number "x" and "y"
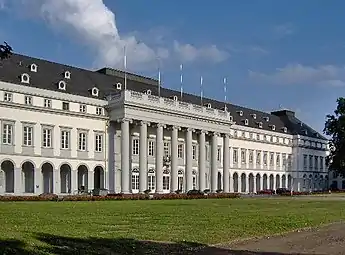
{"x": 121, "y": 246}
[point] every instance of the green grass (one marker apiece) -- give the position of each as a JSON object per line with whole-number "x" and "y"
{"x": 201, "y": 221}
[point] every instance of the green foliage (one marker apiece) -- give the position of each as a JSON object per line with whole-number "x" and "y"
{"x": 5, "y": 51}
{"x": 335, "y": 128}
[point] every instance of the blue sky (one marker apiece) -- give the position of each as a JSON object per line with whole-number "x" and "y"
{"x": 273, "y": 53}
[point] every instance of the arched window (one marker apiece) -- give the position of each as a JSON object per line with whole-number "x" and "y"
{"x": 151, "y": 179}
{"x": 304, "y": 181}
{"x": 135, "y": 179}
{"x": 166, "y": 179}
{"x": 180, "y": 180}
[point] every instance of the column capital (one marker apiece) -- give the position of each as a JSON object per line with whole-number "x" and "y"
{"x": 215, "y": 133}
{"x": 200, "y": 131}
{"x": 159, "y": 125}
{"x": 226, "y": 135}
{"x": 125, "y": 120}
{"x": 144, "y": 122}
{"x": 172, "y": 127}
{"x": 190, "y": 129}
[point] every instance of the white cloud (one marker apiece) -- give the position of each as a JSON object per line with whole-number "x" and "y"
{"x": 326, "y": 75}
{"x": 95, "y": 25}
{"x": 283, "y": 30}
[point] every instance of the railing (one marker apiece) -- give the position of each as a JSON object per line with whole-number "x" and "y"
{"x": 167, "y": 103}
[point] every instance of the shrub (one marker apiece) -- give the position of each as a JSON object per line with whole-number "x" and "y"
{"x": 195, "y": 192}
{"x": 49, "y": 196}
{"x": 219, "y": 190}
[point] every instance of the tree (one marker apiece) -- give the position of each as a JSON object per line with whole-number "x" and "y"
{"x": 5, "y": 51}
{"x": 335, "y": 128}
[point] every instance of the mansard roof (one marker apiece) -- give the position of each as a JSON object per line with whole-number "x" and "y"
{"x": 48, "y": 75}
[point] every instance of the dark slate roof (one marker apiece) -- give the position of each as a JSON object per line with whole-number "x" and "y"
{"x": 82, "y": 81}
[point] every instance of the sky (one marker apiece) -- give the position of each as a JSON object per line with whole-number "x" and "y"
{"x": 273, "y": 54}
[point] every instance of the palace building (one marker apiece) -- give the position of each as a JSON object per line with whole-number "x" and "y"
{"x": 64, "y": 129}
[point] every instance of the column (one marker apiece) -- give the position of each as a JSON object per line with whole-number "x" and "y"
{"x": 90, "y": 180}
{"x": 38, "y": 181}
{"x": 74, "y": 181}
{"x": 174, "y": 158}
{"x": 159, "y": 158}
{"x": 143, "y": 157}
{"x": 202, "y": 161}
{"x": 247, "y": 183}
{"x": 18, "y": 189}
{"x": 189, "y": 160}
{"x": 125, "y": 171}
{"x": 226, "y": 164}
{"x": 239, "y": 184}
{"x": 56, "y": 181}
{"x": 214, "y": 167}
{"x": 261, "y": 182}
{"x": 231, "y": 183}
{"x": 254, "y": 184}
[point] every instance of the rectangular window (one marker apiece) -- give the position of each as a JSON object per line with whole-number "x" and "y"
{"x": 135, "y": 146}
{"x": 194, "y": 152}
{"x": 194, "y": 182}
{"x": 27, "y": 135}
{"x": 65, "y": 139}
{"x": 305, "y": 161}
{"x": 82, "y": 108}
{"x": 180, "y": 150}
{"x": 166, "y": 147}
{"x": 7, "y": 134}
{"x": 310, "y": 162}
{"x": 99, "y": 111}
{"x": 265, "y": 158}
{"x": 46, "y": 138}
{"x": 316, "y": 162}
{"x": 258, "y": 157}
{"x": 243, "y": 156}
{"x": 251, "y": 156}
{"x": 8, "y": 97}
{"x": 166, "y": 182}
{"x": 278, "y": 160}
{"x": 82, "y": 139}
{"x": 135, "y": 181}
{"x": 98, "y": 143}
{"x": 235, "y": 156}
{"x": 28, "y": 100}
{"x": 271, "y": 159}
{"x": 289, "y": 160}
{"x": 47, "y": 103}
{"x": 180, "y": 183}
{"x": 151, "y": 148}
{"x": 284, "y": 159}
{"x": 151, "y": 181}
{"x": 321, "y": 163}
{"x": 65, "y": 106}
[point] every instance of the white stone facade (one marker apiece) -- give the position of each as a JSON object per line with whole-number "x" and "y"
{"x": 55, "y": 142}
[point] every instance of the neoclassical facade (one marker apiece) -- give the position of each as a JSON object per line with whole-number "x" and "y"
{"x": 65, "y": 129}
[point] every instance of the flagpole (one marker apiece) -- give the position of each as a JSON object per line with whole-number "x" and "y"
{"x": 224, "y": 82}
{"x": 181, "y": 80}
{"x": 125, "y": 65}
{"x": 159, "y": 78}
{"x": 201, "y": 89}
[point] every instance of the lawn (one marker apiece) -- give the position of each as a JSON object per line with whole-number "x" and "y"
{"x": 45, "y": 225}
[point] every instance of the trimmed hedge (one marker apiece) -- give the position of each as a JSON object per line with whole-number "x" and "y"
{"x": 118, "y": 197}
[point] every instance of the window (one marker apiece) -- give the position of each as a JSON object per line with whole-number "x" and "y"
{"x": 257, "y": 137}
{"x": 246, "y": 122}
{"x": 284, "y": 129}
{"x": 278, "y": 160}
{"x": 321, "y": 163}
{"x": 82, "y": 108}
{"x": 65, "y": 139}
{"x": 27, "y": 135}
{"x": 180, "y": 180}
{"x": 260, "y": 124}
{"x": 310, "y": 162}
{"x": 148, "y": 92}
{"x": 95, "y": 92}
{"x": 47, "y": 103}
{"x": 28, "y": 100}
{"x": 243, "y": 156}
{"x": 219, "y": 154}
{"x": 180, "y": 150}
{"x": 271, "y": 159}
{"x": 118, "y": 85}
{"x": 7, "y": 134}
{"x": 207, "y": 153}
{"x": 273, "y": 127}
{"x": 251, "y": 156}
{"x": 151, "y": 151}
{"x": 135, "y": 146}
{"x": 46, "y": 138}
{"x": 265, "y": 158}
{"x": 98, "y": 142}
{"x": 235, "y": 156}
{"x": 25, "y": 78}
{"x": 284, "y": 159}
{"x": 67, "y": 75}
{"x": 99, "y": 110}
{"x": 209, "y": 105}
{"x": 175, "y": 98}
{"x": 8, "y": 97}
{"x": 62, "y": 85}
{"x": 305, "y": 161}
{"x": 254, "y": 116}
{"x": 33, "y": 68}
{"x": 151, "y": 179}
{"x": 82, "y": 139}
{"x": 316, "y": 162}
{"x": 194, "y": 152}
{"x": 65, "y": 106}
{"x": 194, "y": 180}
{"x": 166, "y": 180}
{"x": 135, "y": 179}
{"x": 289, "y": 161}
{"x": 240, "y": 113}
{"x": 166, "y": 148}
{"x": 251, "y": 135}
{"x": 258, "y": 157}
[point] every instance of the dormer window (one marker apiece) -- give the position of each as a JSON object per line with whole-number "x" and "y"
{"x": 246, "y": 122}
{"x": 118, "y": 85}
{"x": 260, "y": 124}
{"x": 284, "y": 129}
{"x": 33, "y": 68}
{"x": 305, "y": 132}
{"x": 273, "y": 127}
{"x": 231, "y": 118}
{"x": 267, "y": 119}
{"x": 240, "y": 113}
{"x": 95, "y": 92}
{"x": 62, "y": 85}
{"x": 175, "y": 98}
{"x": 209, "y": 105}
{"x": 254, "y": 116}
{"x": 25, "y": 78}
{"x": 148, "y": 92}
{"x": 67, "y": 75}
{"x": 317, "y": 135}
